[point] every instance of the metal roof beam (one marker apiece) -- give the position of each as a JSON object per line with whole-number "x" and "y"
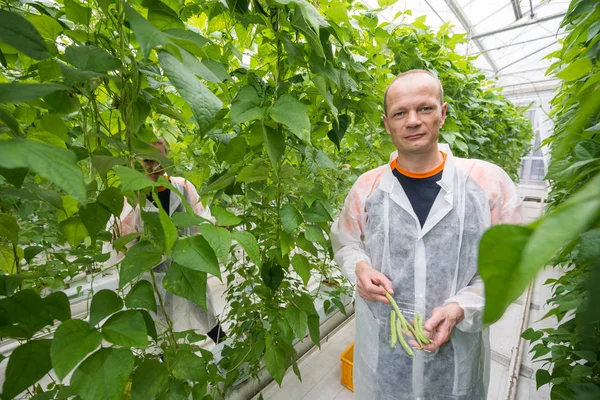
{"x": 556, "y": 36}
{"x": 511, "y": 27}
{"x": 460, "y": 15}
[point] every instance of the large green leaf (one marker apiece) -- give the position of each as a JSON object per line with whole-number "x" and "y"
{"x": 27, "y": 364}
{"x": 149, "y": 380}
{"x": 9, "y": 228}
{"x": 187, "y": 283}
{"x": 225, "y": 217}
{"x": 205, "y": 105}
{"x": 276, "y": 360}
{"x": 51, "y": 162}
{"x": 139, "y": 259}
{"x": 249, "y": 244}
{"x": 104, "y": 374}
{"x": 195, "y": 253}
{"x": 500, "y": 252}
{"x": 293, "y": 114}
{"x": 272, "y": 274}
{"x": 219, "y": 239}
{"x": 10, "y": 122}
{"x": 73, "y": 340}
{"x": 94, "y": 217}
{"x": 73, "y": 230}
{"x": 188, "y": 366}
{"x": 23, "y": 314}
{"x": 111, "y": 199}
{"x": 274, "y": 144}
{"x": 58, "y": 306}
{"x": 77, "y": 13}
{"x": 246, "y": 106}
{"x": 54, "y": 124}
{"x": 148, "y": 36}
{"x": 8, "y": 262}
{"x": 131, "y": 179}
{"x": 126, "y": 328}
{"x": 290, "y": 217}
{"x": 90, "y": 58}
{"x": 16, "y": 31}
{"x": 104, "y": 303}
{"x": 298, "y": 320}
{"x": 22, "y": 92}
{"x": 47, "y": 26}
{"x": 577, "y": 69}
{"x": 141, "y": 296}
{"x": 302, "y": 267}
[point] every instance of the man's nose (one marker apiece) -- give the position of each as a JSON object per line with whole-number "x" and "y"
{"x": 413, "y": 119}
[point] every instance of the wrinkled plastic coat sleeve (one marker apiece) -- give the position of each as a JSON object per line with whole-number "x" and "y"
{"x": 506, "y": 208}
{"x": 347, "y": 230}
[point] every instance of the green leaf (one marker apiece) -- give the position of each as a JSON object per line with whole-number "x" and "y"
{"x": 290, "y": 217}
{"x": 54, "y": 124}
{"x": 224, "y": 217}
{"x": 94, "y": 217}
{"x": 149, "y": 380}
{"x": 27, "y": 364}
{"x": 252, "y": 173}
{"x": 10, "y": 122}
{"x": 168, "y": 227}
{"x": 73, "y": 340}
{"x": 150, "y": 325}
{"x": 298, "y": 320}
{"x": 324, "y": 161}
{"x": 315, "y": 234}
{"x": 77, "y": 13}
{"x": 249, "y": 244}
{"x": 581, "y": 371}
{"x": 386, "y": 3}
{"x": 185, "y": 220}
{"x": 23, "y": 314}
{"x": 126, "y": 328}
{"x": 16, "y": 31}
{"x": 121, "y": 242}
{"x": 542, "y": 377}
{"x": 274, "y": 144}
{"x": 302, "y": 267}
{"x": 532, "y": 335}
{"x": 575, "y": 70}
{"x": 317, "y": 212}
{"x": 104, "y": 374}
{"x": 195, "y": 253}
{"x": 9, "y": 228}
{"x": 139, "y": 259}
{"x": 187, "y": 283}
{"x": 105, "y": 163}
{"x": 51, "y": 162}
{"x": 74, "y": 231}
{"x": 293, "y": 114}
{"x": 58, "y": 306}
{"x": 8, "y": 262}
{"x": 90, "y": 58}
{"x": 104, "y": 303}
{"x": 314, "y": 324}
{"x": 205, "y": 105}
{"x": 587, "y": 355}
{"x": 112, "y": 200}
{"x": 188, "y": 366}
{"x": 47, "y": 26}
{"x": 271, "y": 274}
{"x": 500, "y": 252}
{"x": 131, "y": 179}
{"x": 219, "y": 239}
{"x": 276, "y": 360}
{"x": 246, "y": 106}
{"x": 32, "y": 251}
{"x": 146, "y": 34}
{"x": 141, "y": 296}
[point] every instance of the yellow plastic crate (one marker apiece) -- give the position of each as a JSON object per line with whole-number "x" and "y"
{"x": 347, "y": 359}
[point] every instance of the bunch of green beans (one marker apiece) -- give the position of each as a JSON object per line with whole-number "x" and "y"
{"x": 400, "y": 327}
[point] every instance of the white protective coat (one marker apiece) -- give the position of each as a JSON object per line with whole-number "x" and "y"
{"x": 429, "y": 267}
{"x": 183, "y": 313}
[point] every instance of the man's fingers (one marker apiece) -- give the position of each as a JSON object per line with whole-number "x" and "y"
{"x": 436, "y": 318}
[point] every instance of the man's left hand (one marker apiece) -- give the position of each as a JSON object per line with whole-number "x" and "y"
{"x": 439, "y": 327}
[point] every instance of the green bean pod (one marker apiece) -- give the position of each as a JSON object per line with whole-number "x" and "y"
{"x": 403, "y": 342}
{"x": 394, "y": 339}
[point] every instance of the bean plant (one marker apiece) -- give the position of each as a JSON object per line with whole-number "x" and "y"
{"x": 568, "y": 235}
{"x": 271, "y": 108}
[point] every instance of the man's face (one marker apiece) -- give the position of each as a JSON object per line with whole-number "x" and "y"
{"x": 153, "y": 168}
{"x": 415, "y": 114}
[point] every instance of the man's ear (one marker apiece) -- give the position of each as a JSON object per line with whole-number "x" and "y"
{"x": 384, "y": 117}
{"x": 444, "y": 108}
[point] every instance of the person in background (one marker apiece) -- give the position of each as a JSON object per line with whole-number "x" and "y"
{"x": 412, "y": 228}
{"x": 184, "y": 314}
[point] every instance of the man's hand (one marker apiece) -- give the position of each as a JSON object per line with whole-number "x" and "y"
{"x": 368, "y": 283}
{"x": 439, "y": 327}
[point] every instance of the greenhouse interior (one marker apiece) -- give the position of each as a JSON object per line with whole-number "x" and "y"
{"x": 195, "y": 199}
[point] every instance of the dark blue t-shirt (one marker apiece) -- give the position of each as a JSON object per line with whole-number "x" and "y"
{"x": 421, "y": 192}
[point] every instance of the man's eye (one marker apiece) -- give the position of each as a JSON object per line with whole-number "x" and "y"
{"x": 426, "y": 108}
{"x": 399, "y": 114}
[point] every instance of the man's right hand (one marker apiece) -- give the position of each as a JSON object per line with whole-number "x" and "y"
{"x": 368, "y": 281}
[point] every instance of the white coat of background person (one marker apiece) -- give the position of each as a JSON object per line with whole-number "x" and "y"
{"x": 432, "y": 263}
{"x": 184, "y": 314}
